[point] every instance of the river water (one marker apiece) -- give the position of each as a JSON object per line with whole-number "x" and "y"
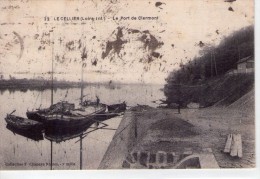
{"x": 20, "y": 152}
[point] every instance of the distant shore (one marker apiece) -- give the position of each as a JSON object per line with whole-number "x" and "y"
{"x": 40, "y": 84}
{"x": 36, "y": 84}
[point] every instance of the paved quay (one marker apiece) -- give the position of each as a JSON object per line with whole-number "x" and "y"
{"x": 161, "y": 138}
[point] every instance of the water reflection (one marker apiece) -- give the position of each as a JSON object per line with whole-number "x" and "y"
{"x": 36, "y": 136}
{"x": 57, "y": 136}
{"x": 61, "y": 136}
{"x": 66, "y": 146}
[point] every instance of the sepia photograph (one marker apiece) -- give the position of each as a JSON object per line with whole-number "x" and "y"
{"x": 127, "y": 84}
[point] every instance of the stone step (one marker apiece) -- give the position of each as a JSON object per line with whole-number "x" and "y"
{"x": 161, "y": 159}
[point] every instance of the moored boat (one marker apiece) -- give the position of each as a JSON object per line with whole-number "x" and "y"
{"x": 24, "y": 124}
{"x": 62, "y": 107}
{"x": 33, "y": 135}
{"x": 117, "y": 108}
{"x": 72, "y": 120}
{"x": 112, "y": 111}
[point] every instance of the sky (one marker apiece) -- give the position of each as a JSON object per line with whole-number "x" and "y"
{"x": 28, "y": 42}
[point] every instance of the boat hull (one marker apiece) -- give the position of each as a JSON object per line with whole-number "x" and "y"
{"x": 33, "y": 135}
{"x": 116, "y": 108}
{"x": 58, "y": 108}
{"x": 63, "y": 123}
{"x": 35, "y": 115}
{"x": 113, "y": 111}
{"x": 23, "y": 124}
{"x": 66, "y": 123}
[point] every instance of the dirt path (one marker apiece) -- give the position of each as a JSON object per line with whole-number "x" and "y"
{"x": 216, "y": 124}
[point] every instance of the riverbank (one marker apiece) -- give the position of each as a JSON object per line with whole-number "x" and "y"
{"x": 144, "y": 132}
{"x": 35, "y": 84}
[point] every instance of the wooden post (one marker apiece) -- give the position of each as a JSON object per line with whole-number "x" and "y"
{"x": 135, "y": 128}
{"x": 80, "y": 152}
{"x": 211, "y": 66}
{"x": 239, "y": 150}
{"x": 51, "y": 155}
{"x": 236, "y": 147}
{"x": 179, "y": 98}
{"x": 228, "y": 144}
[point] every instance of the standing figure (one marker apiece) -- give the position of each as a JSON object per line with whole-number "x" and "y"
{"x": 179, "y": 107}
{"x": 98, "y": 100}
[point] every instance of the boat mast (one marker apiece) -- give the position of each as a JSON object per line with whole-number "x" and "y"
{"x": 81, "y": 92}
{"x": 81, "y": 102}
{"x": 52, "y": 79}
{"x": 52, "y": 43}
{"x": 52, "y": 68}
{"x": 83, "y": 57}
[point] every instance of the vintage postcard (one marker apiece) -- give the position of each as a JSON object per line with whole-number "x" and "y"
{"x": 127, "y": 84}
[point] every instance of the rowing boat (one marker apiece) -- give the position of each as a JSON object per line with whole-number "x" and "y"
{"x": 112, "y": 111}
{"x": 33, "y": 135}
{"x": 24, "y": 124}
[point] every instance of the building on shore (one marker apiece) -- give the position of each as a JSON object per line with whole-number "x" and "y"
{"x": 244, "y": 65}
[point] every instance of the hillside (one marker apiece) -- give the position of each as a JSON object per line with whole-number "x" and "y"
{"x": 204, "y": 79}
{"x": 246, "y": 103}
{"x": 214, "y": 61}
{"x": 221, "y": 91}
